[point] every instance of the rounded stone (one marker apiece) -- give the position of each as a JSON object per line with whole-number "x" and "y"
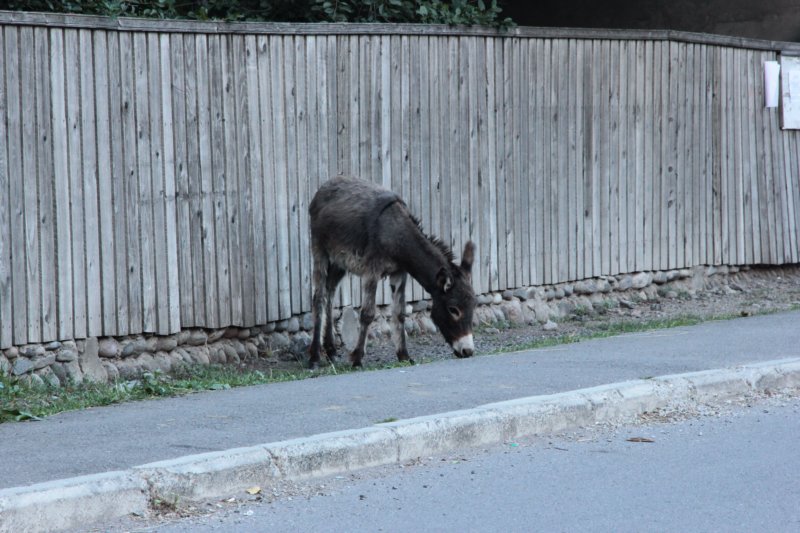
{"x": 65, "y": 355}
{"x": 108, "y": 347}
{"x": 166, "y": 343}
{"x": 111, "y": 371}
{"x": 12, "y": 353}
{"x": 43, "y": 361}
{"x": 21, "y": 365}
{"x": 550, "y": 326}
{"x": 135, "y": 347}
{"x": 278, "y": 341}
{"x": 33, "y": 350}
{"x": 49, "y": 377}
{"x": 230, "y": 354}
{"x": 51, "y": 346}
{"x": 32, "y": 380}
{"x": 197, "y": 337}
{"x": 216, "y": 335}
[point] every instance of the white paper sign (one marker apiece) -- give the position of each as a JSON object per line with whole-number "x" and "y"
{"x": 790, "y": 92}
{"x": 772, "y": 71}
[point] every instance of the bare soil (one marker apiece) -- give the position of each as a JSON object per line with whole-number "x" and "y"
{"x": 759, "y": 290}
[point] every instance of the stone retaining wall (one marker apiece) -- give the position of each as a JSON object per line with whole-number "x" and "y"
{"x": 109, "y": 359}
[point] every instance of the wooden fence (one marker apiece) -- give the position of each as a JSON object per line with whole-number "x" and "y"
{"x": 156, "y": 175}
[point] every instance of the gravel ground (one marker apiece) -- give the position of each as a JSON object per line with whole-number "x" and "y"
{"x": 748, "y": 292}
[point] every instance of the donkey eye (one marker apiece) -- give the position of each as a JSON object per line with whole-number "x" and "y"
{"x": 455, "y": 312}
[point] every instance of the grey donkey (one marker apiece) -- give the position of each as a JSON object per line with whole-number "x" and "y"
{"x": 360, "y": 227}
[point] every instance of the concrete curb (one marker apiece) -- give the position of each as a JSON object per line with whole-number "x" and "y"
{"x": 79, "y": 501}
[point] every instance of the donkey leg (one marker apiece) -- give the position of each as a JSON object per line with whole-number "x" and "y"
{"x": 369, "y": 285}
{"x": 335, "y": 275}
{"x": 398, "y": 284}
{"x": 319, "y": 303}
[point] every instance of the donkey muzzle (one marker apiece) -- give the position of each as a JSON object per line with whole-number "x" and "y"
{"x": 464, "y": 347}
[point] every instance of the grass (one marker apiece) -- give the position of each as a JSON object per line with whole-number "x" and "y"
{"x": 20, "y": 401}
{"x": 612, "y": 329}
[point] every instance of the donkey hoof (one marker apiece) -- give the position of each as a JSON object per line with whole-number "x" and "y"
{"x": 357, "y": 365}
{"x": 313, "y": 365}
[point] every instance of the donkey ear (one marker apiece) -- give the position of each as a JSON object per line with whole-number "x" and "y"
{"x": 468, "y": 257}
{"x": 444, "y": 280}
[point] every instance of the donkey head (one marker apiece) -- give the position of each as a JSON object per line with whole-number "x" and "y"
{"x": 454, "y": 303}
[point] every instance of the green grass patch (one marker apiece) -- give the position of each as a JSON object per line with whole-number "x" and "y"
{"x": 611, "y": 329}
{"x": 21, "y": 401}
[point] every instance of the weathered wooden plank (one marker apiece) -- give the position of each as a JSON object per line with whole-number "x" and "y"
{"x": 416, "y": 178}
{"x": 624, "y": 145}
{"x": 586, "y": 177}
{"x": 778, "y": 198}
{"x": 591, "y": 185}
{"x": 44, "y": 173}
{"x": 219, "y": 188}
{"x": 514, "y": 206}
{"x": 752, "y": 226}
{"x": 211, "y": 253}
{"x": 183, "y": 214}
{"x": 235, "y": 187}
{"x": 475, "y": 204}
{"x": 500, "y": 162}
{"x": 629, "y": 189}
{"x": 29, "y": 147}
{"x": 580, "y": 161}
{"x": 537, "y": 153}
{"x": 641, "y": 161}
{"x": 14, "y": 39}
{"x": 77, "y": 123}
{"x": 707, "y": 105}
{"x": 412, "y": 292}
{"x": 117, "y": 177}
{"x": 662, "y": 187}
{"x": 280, "y": 117}
{"x": 521, "y": 156}
{"x": 144, "y": 143}
{"x": 424, "y": 110}
{"x": 438, "y": 137}
{"x": 195, "y": 176}
{"x": 682, "y": 173}
{"x": 764, "y": 165}
{"x": 670, "y": 177}
{"x": 604, "y": 147}
{"x": 6, "y": 128}
{"x": 613, "y": 169}
{"x": 104, "y": 183}
{"x": 491, "y": 159}
{"x": 173, "y": 310}
{"x": 648, "y": 162}
{"x": 62, "y": 213}
{"x": 739, "y": 162}
{"x": 300, "y": 179}
{"x": 694, "y": 154}
{"x": 717, "y": 128}
{"x": 255, "y": 174}
{"x": 259, "y": 75}
{"x": 158, "y": 149}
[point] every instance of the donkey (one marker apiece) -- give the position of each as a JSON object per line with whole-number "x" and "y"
{"x": 359, "y": 227}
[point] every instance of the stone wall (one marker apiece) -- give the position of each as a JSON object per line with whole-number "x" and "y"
{"x": 124, "y": 358}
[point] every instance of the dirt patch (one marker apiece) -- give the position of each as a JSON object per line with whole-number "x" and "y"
{"x": 758, "y": 290}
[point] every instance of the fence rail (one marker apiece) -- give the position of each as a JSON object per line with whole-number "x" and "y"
{"x": 152, "y": 180}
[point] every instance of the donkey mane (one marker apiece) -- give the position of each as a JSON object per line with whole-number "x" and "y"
{"x": 434, "y": 240}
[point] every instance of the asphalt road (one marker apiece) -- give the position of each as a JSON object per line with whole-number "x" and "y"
{"x": 122, "y": 436}
{"x": 738, "y": 471}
